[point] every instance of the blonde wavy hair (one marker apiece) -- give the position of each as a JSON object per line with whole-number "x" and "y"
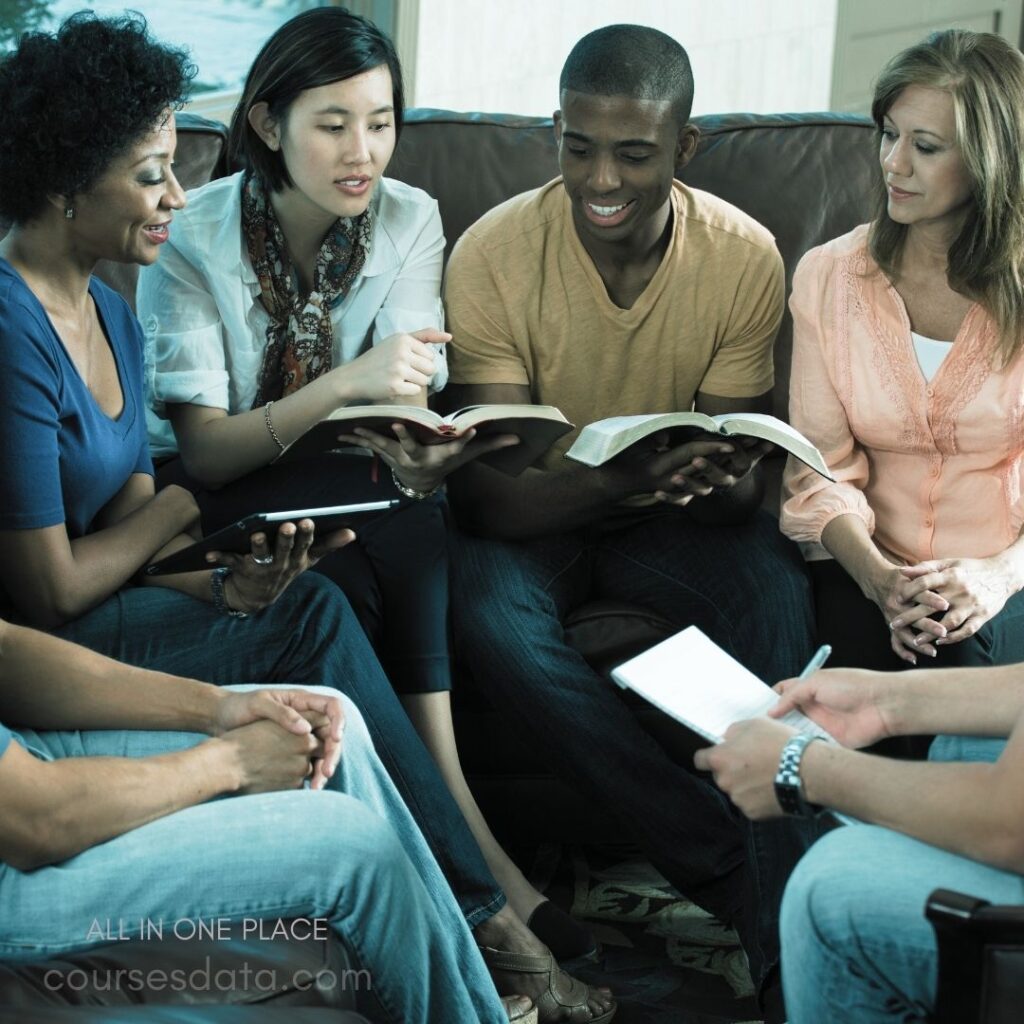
{"x": 984, "y": 75}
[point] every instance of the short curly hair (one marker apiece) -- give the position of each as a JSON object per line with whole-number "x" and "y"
{"x": 73, "y": 101}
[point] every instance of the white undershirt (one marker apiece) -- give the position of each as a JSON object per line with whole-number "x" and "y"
{"x": 930, "y": 353}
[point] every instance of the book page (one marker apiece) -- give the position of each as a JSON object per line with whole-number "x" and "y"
{"x": 604, "y": 439}
{"x": 780, "y": 433}
{"x": 476, "y": 415}
{"x": 413, "y": 413}
{"x": 694, "y": 681}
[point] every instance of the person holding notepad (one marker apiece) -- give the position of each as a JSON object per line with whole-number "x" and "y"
{"x": 617, "y": 290}
{"x": 908, "y": 376}
{"x": 856, "y": 946}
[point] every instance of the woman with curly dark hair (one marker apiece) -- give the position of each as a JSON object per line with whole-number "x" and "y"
{"x": 86, "y": 173}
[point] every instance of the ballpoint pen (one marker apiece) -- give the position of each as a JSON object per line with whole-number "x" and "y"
{"x": 818, "y": 659}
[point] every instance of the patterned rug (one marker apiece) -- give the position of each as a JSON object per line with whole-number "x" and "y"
{"x": 667, "y": 961}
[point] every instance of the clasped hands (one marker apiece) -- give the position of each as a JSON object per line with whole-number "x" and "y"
{"x": 279, "y": 738}
{"x": 678, "y": 473}
{"x": 942, "y": 601}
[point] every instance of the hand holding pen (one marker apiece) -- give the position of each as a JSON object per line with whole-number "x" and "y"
{"x": 849, "y": 703}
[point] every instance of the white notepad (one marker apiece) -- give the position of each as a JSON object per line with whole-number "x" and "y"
{"x": 694, "y": 681}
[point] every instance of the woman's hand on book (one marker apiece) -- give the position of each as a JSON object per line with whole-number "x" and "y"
{"x": 401, "y": 366}
{"x": 259, "y": 578}
{"x": 423, "y": 467}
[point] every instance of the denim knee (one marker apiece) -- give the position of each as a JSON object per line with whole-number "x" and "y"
{"x": 317, "y": 603}
{"x": 830, "y": 874}
{"x": 342, "y": 833}
{"x": 356, "y": 733}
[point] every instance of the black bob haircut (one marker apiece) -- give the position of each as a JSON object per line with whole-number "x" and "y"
{"x": 73, "y": 101}
{"x": 631, "y": 60}
{"x": 315, "y": 48}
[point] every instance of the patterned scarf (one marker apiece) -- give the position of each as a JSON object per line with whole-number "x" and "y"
{"x": 299, "y": 335}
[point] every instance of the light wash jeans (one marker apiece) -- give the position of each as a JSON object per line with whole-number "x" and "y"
{"x": 307, "y": 637}
{"x": 856, "y": 946}
{"x": 351, "y": 854}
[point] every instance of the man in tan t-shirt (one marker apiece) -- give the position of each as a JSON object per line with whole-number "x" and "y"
{"x": 616, "y": 290}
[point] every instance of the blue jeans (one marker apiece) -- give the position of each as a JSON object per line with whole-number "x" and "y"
{"x": 351, "y": 855}
{"x": 308, "y": 637}
{"x": 856, "y": 946}
{"x": 745, "y": 586}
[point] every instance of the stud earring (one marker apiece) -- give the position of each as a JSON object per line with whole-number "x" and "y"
{"x": 69, "y": 213}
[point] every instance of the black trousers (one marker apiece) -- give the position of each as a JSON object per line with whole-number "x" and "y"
{"x": 395, "y": 574}
{"x": 859, "y": 635}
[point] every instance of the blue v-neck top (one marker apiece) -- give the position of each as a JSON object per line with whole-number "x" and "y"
{"x": 62, "y": 458}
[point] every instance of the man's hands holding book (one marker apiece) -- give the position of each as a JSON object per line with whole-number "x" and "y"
{"x": 745, "y": 762}
{"x": 676, "y": 473}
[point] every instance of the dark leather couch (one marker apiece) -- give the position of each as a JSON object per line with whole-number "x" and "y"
{"x": 807, "y": 177}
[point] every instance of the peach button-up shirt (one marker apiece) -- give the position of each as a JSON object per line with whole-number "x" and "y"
{"x": 933, "y": 468}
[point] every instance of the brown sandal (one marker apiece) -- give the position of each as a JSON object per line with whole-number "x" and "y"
{"x": 565, "y": 998}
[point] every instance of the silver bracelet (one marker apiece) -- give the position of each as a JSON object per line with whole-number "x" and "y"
{"x": 410, "y": 492}
{"x": 270, "y": 425}
{"x": 217, "y": 579}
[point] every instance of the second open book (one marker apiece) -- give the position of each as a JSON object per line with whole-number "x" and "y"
{"x": 598, "y": 442}
{"x": 694, "y": 681}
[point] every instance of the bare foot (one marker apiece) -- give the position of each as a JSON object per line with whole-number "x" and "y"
{"x": 506, "y": 933}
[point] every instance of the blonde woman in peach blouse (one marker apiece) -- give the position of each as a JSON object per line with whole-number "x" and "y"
{"x": 907, "y": 374}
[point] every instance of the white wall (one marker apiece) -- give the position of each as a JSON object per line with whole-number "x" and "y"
{"x": 763, "y": 56}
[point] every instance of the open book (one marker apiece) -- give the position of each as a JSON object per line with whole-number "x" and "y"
{"x": 603, "y": 440}
{"x": 694, "y": 681}
{"x": 537, "y": 427}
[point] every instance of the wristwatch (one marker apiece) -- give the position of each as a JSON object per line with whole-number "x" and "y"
{"x": 788, "y": 790}
{"x": 217, "y": 579}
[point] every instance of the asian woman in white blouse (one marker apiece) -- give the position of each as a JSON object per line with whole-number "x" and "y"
{"x": 308, "y": 282}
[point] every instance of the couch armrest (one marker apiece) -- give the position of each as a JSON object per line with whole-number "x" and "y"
{"x": 981, "y": 959}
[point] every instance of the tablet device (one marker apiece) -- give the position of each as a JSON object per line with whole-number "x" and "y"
{"x": 236, "y": 537}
